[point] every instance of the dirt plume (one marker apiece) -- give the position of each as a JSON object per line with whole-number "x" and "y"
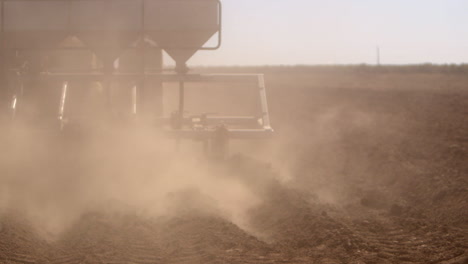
{"x": 54, "y": 180}
{"x": 363, "y": 168}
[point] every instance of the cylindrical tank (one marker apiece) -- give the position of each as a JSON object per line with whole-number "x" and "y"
{"x": 106, "y": 27}
{"x": 34, "y": 24}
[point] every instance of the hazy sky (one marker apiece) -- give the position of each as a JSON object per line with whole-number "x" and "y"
{"x": 258, "y": 32}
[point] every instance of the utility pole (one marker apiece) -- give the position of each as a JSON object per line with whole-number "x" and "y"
{"x": 378, "y": 55}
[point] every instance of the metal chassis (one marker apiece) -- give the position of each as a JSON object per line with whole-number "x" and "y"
{"x": 262, "y": 118}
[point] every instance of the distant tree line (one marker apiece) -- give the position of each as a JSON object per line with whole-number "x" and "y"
{"x": 360, "y": 68}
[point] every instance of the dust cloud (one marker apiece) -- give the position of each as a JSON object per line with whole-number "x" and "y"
{"x": 348, "y": 169}
{"x": 53, "y": 179}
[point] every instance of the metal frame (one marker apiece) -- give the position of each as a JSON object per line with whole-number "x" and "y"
{"x": 213, "y": 131}
{"x": 141, "y": 35}
{"x": 261, "y": 119}
{"x": 264, "y": 126}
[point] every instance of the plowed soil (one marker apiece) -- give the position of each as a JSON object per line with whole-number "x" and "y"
{"x": 364, "y": 167}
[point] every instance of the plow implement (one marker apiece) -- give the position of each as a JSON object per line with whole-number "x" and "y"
{"x": 67, "y": 61}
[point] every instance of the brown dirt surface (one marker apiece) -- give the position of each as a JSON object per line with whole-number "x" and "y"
{"x": 19, "y": 242}
{"x": 366, "y": 166}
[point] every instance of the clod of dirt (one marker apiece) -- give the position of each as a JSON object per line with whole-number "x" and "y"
{"x": 396, "y": 210}
{"x": 374, "y": 200}
{"x": 440, "y": 196}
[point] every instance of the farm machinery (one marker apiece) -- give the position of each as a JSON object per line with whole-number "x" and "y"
{"x": 64, "y": 62}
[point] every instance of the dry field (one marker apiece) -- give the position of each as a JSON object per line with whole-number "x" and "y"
{"x": 366, "y": 166}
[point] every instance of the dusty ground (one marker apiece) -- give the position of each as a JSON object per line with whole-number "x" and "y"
{"x": 365, "y": 167}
